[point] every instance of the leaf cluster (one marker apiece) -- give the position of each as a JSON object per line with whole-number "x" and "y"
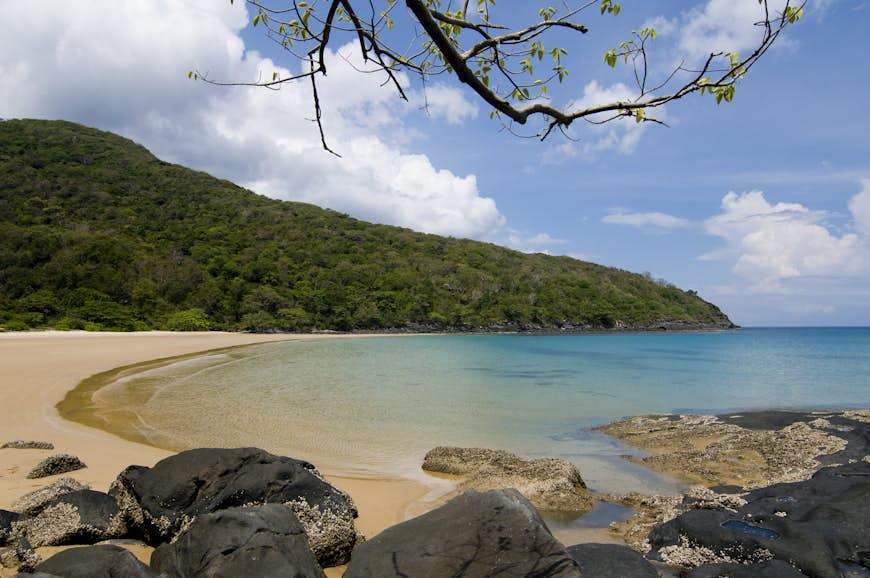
{"x": 509, "y": 65}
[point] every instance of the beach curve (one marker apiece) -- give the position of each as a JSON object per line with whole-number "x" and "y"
{"x": 41, "y": 368}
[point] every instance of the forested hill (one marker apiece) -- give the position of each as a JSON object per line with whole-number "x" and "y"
{"x": 97, "y": 233}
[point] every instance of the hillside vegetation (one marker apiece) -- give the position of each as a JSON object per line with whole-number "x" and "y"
{"x": 97, "y": 233}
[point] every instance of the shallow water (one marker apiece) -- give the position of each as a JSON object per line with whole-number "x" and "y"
{"x": 374, "y": 406}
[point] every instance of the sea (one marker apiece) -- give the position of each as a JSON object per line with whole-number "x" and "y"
{"x": 373, "y": 406}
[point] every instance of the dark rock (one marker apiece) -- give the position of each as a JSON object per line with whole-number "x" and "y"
{"x": 264, "y": 540}
{"x": 53, "y": 465}
{"x": 551, "y": 484}
{"x": 34, "y": 502}
{"x": 816, "y": 525}
{"x": 27, "y": 445}
{"x": 611, "y": 561}
{"x": 473, "y": 535}
{"x": 95, "y": 562}
{"x": 20, "y": 554}
{"x": 158, "y": 502}
{"x": 767, "y": 569}
{"x": 80, "y": 517}
{"x": 6, "y": 520}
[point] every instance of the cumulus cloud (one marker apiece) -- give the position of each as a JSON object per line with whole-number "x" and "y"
{"x": 723, "y": 26}
{"x": 621, "y": 135}
{"x": 859, "y": 205}
{"x": 447, "y": 103}
{"x": 771, "y": 244}
{"x": 646, "y": 220}
{"x": 122, "y": 67}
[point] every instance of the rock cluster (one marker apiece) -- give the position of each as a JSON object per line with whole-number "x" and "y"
{"x": 245, "y": 512}
{"x": 810, "y": 522}
{"x": 257, "y": 505}
{"x": 816, "y": 525}
{"x": 551, "y": 484}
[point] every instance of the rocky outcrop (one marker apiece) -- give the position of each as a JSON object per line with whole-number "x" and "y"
{"x": 265, "y": 540}
{"x": 34, "y": 502}
{"x": 611, "y": 561}
{"x": 79, "y": 517}
{"x": 713, "y": 450}
{"x": 817, "y": 525}
{"x": 94, "y": 562}
{"x": 476, "y": 534}
{"x": 159, "y": 502}
{"x": 57, "y": 464}
{"x": 27, "y": 445}
{"x": 551, "y": 484}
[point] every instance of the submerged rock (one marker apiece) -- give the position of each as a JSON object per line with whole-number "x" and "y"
{"x": 265, "y": 540}
{"x": 551, "y": 484}
{"x": 159, "y": 502}
{"x": 34, "y": 502}
{"x": 80, "y": 517}
{"x": 104, "y": 561}
{"x": 57, "y": 464}
{"x": 473, "y": 535}
{"x": 611, "y": 561}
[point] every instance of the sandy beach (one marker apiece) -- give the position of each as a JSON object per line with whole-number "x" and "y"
{"x": 39, "y": 368}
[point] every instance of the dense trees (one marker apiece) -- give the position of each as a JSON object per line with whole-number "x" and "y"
{"x": 96, "y": 233}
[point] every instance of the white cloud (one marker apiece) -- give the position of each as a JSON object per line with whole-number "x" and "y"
{"x": 447, "y": 103}
{"x": 859, "y": 205}
{"x": 620, "y": 135}
{"x": 721, "y": 26}
{"x": 539, "y": 243}
{"x": 646, "y": 220}
{"x": 772, "y": 244}
{"x": 123, "y": 67}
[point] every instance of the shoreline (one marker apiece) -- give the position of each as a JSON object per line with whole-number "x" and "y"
{"x": 755, "y": 449}
{"x": 42, "y": 368}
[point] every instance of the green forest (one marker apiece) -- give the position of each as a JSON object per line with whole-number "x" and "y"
{"x": 96, "y": 233}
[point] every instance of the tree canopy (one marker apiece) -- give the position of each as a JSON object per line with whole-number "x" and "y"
{"x": 97, "y": 233}
{"x": 511, "y": 66}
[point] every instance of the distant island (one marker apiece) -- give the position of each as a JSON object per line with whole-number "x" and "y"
{"x": 96, "y": 233}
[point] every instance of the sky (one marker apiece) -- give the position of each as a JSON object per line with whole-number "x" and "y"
{"x": 761, "y": 205}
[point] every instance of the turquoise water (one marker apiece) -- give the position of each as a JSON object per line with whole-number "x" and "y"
{"x": 374, "y": 406}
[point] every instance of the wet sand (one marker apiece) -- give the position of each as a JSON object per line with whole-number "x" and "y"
{"x": 40, "y": 368}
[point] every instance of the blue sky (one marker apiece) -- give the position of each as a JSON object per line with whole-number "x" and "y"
{"x": 761, "y": 205}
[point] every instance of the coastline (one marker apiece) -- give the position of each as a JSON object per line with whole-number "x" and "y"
{"x": 756, "y": 449}
{"x": 41, "y": 368}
